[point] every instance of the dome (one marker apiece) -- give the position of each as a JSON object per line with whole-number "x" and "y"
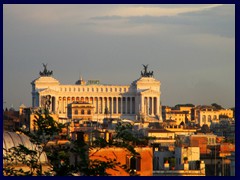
{"x": 80, "y": 81}
{"x": 12, "y": 139}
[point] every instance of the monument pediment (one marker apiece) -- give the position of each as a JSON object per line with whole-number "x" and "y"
{"x": 46, "y": 79}
{"x": 149, "y": 91}
{"x": 48, "y": 91}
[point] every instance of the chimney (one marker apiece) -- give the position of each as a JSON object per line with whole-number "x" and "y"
{"x": 202, "y": 167}
{"x": 166, "y": 166}
{"x": 185, "y": 166}
{"x": 108, "y": 136}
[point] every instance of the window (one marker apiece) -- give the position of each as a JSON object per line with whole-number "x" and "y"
{"x": 89, "y": 111}
{"x": 209, "y": 118}
{"x": 82, "y": 111}
{"x": 134, "y": 163}
{"x": 76, "y": 111}
{"x": 204, "y": 119}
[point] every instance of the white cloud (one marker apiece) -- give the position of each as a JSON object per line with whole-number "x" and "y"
{"x": 141, "y": 10}
{"x": 46, "y": 14}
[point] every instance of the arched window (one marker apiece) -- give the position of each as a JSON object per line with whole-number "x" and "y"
{"x": 209, "y": 118}
{"x": 76, "y": 111}
{"x": 82, "y": 111}
{"x": 134, "y": 163}
{"x": 204, "y": 119}
{"x": 89, "y": 111}
{"x": 214, "y": 117}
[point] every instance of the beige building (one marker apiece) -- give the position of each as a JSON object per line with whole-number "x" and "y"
{"x": 191, "y": 153}
{"x": 80, "y": 110}
{"x": 181, "y": 130}
{"x": 226, "y": 112}
{"x": 179, "y": 113}
{"x": 206, "y": 115}
{"x": 178, "y": 116}
{"x": 162, "y": 136}
{"x": 140, "y": 100}
{"x": 209, "y": 114}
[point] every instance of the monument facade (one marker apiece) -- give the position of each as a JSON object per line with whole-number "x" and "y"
{"x": 138, "y": 101}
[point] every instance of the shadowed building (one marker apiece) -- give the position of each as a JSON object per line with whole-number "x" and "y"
{"x": 141, "y": 164}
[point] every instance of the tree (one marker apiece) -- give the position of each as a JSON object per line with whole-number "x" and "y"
{"x": 205, "y": 129}
{"x": 217, "y": 106}
{"x": 45, "y": 130}
{"x": 172, "y": 162}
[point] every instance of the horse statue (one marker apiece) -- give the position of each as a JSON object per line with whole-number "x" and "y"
{"x": 146, "y": 73}
{"x": 145, "y": 69}
{"x": 45, "y": 72}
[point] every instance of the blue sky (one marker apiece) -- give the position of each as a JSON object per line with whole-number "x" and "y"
{"x": 190, "y": 48}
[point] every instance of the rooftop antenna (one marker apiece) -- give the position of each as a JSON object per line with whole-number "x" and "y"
{"x": 80, "y": 77}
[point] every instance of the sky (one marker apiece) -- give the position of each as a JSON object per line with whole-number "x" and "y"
{"x": 190, "y": 48}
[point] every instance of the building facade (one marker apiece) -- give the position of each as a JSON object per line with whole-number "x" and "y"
{"x": 207, "y": 115}
{"x": 140, "y": 100}
{"x": 178, "y": 116}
